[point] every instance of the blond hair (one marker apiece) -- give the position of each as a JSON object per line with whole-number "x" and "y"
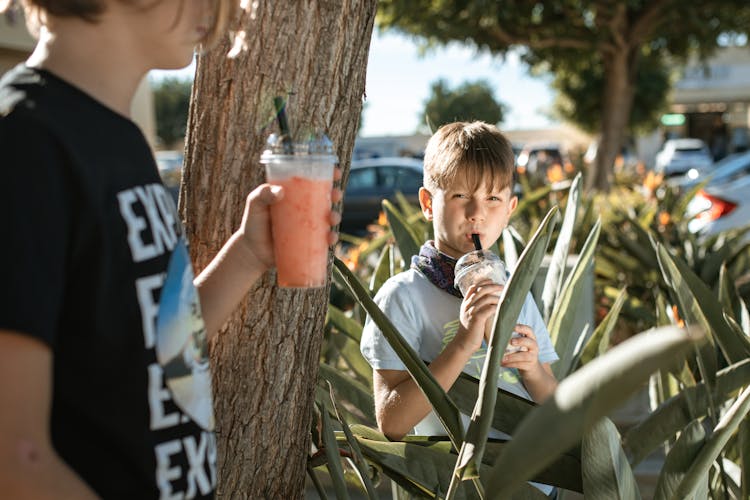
{"x": 90, "y": 10}
{"x": 476, "y": 151}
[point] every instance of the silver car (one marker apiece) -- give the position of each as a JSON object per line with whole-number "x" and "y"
{"x": 724, "y": 203}
{"x": 678, "y": 156}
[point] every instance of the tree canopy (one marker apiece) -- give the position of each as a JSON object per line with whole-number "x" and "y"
{"x": 469, "y": 101}
{"x": 597, "y": 40}
{"x": 171, "y": 104}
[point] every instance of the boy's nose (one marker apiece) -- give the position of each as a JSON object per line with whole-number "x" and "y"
{"x": 474, "y": 211}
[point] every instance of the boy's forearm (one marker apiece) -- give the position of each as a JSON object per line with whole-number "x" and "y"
{"x": 404, "y": 406}
{"x": 541, "y": 385}
{"x": 225, "y": 281}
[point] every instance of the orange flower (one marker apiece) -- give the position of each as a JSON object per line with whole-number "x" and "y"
{"x": 351, "y": 259}
{"x": 664, "y": 218}
{"x": 555, "y": 173}
{"x": 652, "y": 181}
{"x": 677, "y": 319}
{"x": 382, "y": 219}
{"x": 569, "y": 168}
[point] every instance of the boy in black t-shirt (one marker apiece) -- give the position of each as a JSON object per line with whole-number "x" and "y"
{"x": 104, "y": 377}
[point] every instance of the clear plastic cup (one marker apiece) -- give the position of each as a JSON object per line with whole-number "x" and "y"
{"x": 300, "y": 221}
{"x": 478, "y": 266}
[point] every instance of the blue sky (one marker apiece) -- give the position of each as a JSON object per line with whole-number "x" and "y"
{"x": 399, "y": 80}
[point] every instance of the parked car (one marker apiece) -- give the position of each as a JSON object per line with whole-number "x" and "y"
{"x": 723, "y": 203}
{"x": 170, "y": 170}
{"x": 372, "y": 180}
{"x": 678, "y": 156}
{"x": 536, "y": 159}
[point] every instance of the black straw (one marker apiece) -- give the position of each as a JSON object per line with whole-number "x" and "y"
{"x": 286, "y": 138}
{"x": 477, "y": 243}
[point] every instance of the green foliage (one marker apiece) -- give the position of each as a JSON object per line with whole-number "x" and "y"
{"x": 171, "y": 105}
{"x": 470, "y": 101}
{"x": 567, "y": 441}
{"x": 581, "y": 82}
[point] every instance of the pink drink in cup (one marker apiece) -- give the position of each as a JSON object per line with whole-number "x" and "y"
{"x": 300, "y": 221}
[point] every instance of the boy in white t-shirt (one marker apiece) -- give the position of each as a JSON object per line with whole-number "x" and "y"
{"x": 468, "y": 189}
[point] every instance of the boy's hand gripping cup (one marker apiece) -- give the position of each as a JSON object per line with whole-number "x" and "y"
{"x": 300, "y": 221}
{"x": 477, "y": 266}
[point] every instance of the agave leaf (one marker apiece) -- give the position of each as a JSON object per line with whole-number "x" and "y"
{"x": 531, "y": 199}
{"x": 743, "y": 442}
{"x": 555, "y": 274}
{"x": 510, "y": 251}
{"x": 606, "y": 471}
{"x": 581, "y": 400}
{"x": 714, "y": 444}
{"x": 732, "y": 302}
{"x": 509, "y": 307}
{"x": 680, "y": 207}
{"x": 333, "y": 462}
{"x": 346, "y": 325}
{"x": 444, "y": 407}
{"x": 642, "y": 247}
{"x": 318, "y": 487}
{"x": 407, "y": 208}
{"x": 678, "y": 411}
{"x": 351, "y": 354}
{"x": 678, "y": 461}
{"x": 701, "y": 306}
{"x": 599, "y": 341}
{"x": 565, "y": 315}
{"x": 510, "y": 409}
{"x": 356, "y": 393}
{"x": 382, "y": 270}
{"x": 358, "y": 459}
{"x": 718, "y": 256}
{"x": 427, "y": 462}
{"x": 406, "y": 239}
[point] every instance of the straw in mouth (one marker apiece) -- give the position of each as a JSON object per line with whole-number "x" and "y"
{"x": 477, "y": 243}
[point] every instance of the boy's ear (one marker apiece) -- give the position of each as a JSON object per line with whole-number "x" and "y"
{"x": 425, "y": 201}
{"x": 512, "y": 205}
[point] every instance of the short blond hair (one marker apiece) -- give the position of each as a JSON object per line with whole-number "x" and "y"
{"x": 90, "y": 10}
{"x": 475, "y": 150}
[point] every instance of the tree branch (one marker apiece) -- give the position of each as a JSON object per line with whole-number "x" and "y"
{"x": 645, "y": 23}
{"x": 506, "y": 38}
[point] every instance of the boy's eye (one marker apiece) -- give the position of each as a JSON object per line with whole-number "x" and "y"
{"x": 460, "y": 195}
{"x": 494, "y": 198}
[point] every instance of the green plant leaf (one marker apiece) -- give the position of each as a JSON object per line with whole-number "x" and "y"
{"x": 382, "y": 270}
{"x": 531, "y": 199}
{"x": 333, "y": 457}
{"x": 743, "y": 443}
{"x": 346, "y": 325}
{"x": 510, "y": 409}
{"x": 679, "y": 459}
{"x": 350, "y": 353}
{"x": 553, "y": 281}
{"x": 606, "y": 471}
{"x": 428, "y": 461}
{"x": 444, "y": 408}
{"x": 508, "y": 309}
{"x": 406, "y": 239}
{"x": 732, "y": 302}
{"x": 714, "y": 444}
{"x": 701, "y": 307}
{"x": 581, "y": 400}
{"x": 358, "y": 459}
{"x": 599, "y": 341}
{"x": 510, "y": 250}
{"x": 350, "y": 390}
{"x": 717, "y": 257}
{"x": 567, "y": 309}
{"x": 674, "y": 414}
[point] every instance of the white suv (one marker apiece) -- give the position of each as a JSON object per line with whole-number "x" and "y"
{"x": 678, "y": 156}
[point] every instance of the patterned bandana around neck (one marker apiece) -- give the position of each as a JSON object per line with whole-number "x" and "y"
{"x": 438, "y": 267}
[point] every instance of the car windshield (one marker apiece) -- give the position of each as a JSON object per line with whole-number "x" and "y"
{"x": 689, "y": 150}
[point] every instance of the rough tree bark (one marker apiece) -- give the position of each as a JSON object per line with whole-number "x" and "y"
{"x": 265, "y": 361}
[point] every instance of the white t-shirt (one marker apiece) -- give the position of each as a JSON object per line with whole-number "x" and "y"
{"x": 428, "y": 317}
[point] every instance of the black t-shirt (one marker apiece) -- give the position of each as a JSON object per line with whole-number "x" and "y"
{"x": 93, "y": 263}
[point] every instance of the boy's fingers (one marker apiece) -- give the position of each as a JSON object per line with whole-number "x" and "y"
{"x": 337, "y": 174}
{"x": 336, "y": 195}
{"x": 265, "y": 194}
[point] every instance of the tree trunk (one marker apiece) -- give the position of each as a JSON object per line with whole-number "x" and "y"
{"x": 619, "y": 91}
{"x": 265, "y": 360}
